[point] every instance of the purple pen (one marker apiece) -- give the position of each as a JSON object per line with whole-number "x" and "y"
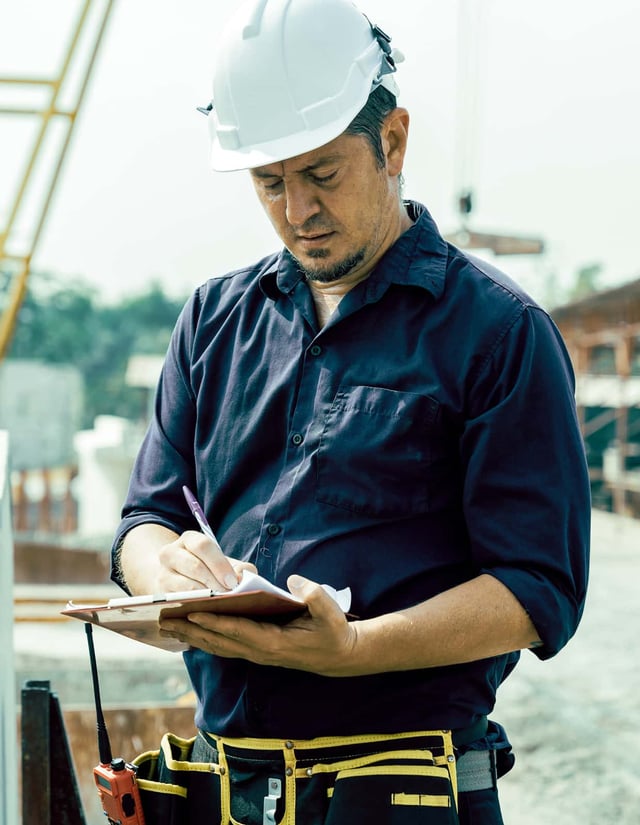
{"x": 198, "y": 512}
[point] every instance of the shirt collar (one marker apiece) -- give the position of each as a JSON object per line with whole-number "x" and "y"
{"x": 281, "y": 277}
{"x": 417, "y": 258}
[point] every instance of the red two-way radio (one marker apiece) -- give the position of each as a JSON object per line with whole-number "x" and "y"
{"x": 115, "y": 779}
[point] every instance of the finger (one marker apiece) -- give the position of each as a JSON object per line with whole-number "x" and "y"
{"x": 229, "y": 637}
{"x": 209, "y": 553}
{"x": 182, "y": 569}
{"x": 241, "y": 566}
{"x": 318, "y": 601}
{"x": 237, "y": 629}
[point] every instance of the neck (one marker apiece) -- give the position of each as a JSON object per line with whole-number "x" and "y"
{"x": 327, "y": 295}
{"x": 326, "y": 298}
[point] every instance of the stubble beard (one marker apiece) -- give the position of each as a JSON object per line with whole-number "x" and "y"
{"x": 329, "y": 274}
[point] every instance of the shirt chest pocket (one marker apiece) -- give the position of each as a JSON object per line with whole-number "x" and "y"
{"x": 377, "y": 452}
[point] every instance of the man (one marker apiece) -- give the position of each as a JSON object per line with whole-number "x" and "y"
{"x": 368, "y": 408}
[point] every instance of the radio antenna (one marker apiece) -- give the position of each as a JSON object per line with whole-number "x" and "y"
{"x": 104, "y": 746}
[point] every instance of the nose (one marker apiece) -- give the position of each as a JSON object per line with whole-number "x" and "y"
{"x": 302, "y": 203}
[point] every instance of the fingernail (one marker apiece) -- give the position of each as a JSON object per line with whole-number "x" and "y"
{"x": 230, "y": 581}
{"x": 295, "y": 582}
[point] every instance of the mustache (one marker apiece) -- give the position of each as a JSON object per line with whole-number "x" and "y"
{"x": 314, "y": 225}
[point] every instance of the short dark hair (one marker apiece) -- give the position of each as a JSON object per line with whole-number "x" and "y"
{"x": 368, "y": 122}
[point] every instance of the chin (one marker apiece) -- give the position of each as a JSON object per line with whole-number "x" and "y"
{"x": 324, "y": 266}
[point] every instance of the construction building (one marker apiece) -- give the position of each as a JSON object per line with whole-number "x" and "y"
{"x": 602, "y": 333}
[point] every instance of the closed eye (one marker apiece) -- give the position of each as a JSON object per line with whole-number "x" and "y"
{"x": 272, "y": 184}
{"x": 323, "y": 178}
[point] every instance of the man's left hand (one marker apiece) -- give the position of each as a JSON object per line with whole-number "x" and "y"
{"x": 322, "y": 641}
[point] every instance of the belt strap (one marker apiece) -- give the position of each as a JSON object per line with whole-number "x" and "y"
{"x": 476, "y": 771}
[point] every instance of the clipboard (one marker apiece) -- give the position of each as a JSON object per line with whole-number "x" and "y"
{"x": 137, "y": 617}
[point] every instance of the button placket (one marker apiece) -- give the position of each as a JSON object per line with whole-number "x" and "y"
{"x": 272, "y": 532}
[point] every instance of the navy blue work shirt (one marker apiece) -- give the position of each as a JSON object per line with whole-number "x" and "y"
{"x": 425, "y": 435}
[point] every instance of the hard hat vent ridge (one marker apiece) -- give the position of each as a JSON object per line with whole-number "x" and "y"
{"x": 252, "y": 28}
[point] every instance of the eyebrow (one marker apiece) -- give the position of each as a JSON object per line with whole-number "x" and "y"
{"x": 327, "y": 160}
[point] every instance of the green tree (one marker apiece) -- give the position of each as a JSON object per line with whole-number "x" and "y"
{"x": 63, "y": 321}
{"x": 55, "y": 322}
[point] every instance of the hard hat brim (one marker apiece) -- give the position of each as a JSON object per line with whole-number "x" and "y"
{"x": 262, "y": 154}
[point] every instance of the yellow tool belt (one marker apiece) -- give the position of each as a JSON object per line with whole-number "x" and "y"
{"x": 329, "y": 780}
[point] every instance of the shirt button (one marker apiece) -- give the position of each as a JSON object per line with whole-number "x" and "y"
{"x": 297, "y": 439}
{"x": 273, "y": 529}
{"x": 315, "y": 350}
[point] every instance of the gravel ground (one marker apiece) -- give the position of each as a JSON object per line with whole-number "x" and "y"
{"x": 574, "y": 720}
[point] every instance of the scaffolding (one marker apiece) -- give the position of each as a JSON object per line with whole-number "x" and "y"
{"x": 602, "y": 333}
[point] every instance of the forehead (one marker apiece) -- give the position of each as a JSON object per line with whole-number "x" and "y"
{"x": 342, "y": 148}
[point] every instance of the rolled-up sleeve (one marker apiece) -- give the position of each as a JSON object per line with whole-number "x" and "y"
{"x": 526, "y": 493}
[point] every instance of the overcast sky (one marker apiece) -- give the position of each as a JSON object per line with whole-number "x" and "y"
{"x": 554, "y": 150}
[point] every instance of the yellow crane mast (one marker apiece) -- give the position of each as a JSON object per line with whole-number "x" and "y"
{"x": 15, "y": 253}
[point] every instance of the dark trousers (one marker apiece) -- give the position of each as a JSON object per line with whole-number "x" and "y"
{"x": 479, "y": 808}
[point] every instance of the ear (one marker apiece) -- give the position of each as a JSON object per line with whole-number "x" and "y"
{"x": 394, "y": 134}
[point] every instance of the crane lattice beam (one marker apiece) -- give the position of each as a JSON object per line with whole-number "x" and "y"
{"x": 15, "y": 265}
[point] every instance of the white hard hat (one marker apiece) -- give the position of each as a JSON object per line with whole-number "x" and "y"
{"x": 290, "y": 76}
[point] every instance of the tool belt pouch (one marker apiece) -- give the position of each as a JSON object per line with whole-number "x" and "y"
{"x": 172, "y": 789}
{"x": 394, "y": 788}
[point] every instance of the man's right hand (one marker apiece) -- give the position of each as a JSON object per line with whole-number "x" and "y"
{"x": 154, "y": 559}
